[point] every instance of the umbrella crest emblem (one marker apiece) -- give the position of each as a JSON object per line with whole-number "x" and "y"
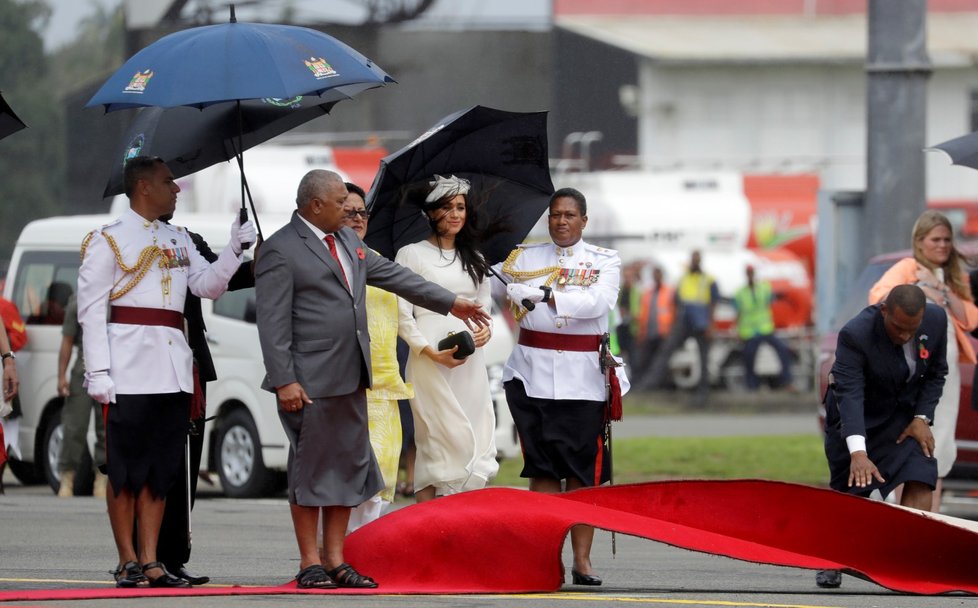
{"x": 291, "y": 102}
{"x": 320, "y": 68}
{"x": 138, "y": 82}
{"x": 134, "y": 148}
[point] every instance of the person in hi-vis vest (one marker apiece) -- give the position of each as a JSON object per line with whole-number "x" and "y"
{"x": 755, "y": 325}
{"x": 696, "y": 298}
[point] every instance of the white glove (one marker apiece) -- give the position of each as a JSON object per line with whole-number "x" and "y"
{"x": 100, "y": 386}
{"x": 241, "y": 233}
{"x": 518, "y": 292}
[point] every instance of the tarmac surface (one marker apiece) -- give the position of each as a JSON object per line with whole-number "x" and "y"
{"x": 52, "y": 543}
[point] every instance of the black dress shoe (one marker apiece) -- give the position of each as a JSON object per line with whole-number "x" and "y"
{"x": 828, "y": 579}
{"x": 185, "y": 574}
{"x": 585, "y": 579}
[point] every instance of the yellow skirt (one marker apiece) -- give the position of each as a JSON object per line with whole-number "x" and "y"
{"x": 384, "y": 421}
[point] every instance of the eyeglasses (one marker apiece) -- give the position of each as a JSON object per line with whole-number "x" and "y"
{"x": 363, "y": 213}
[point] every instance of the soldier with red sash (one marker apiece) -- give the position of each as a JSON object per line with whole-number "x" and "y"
{"x": 133, "y": 279}
{"x": 555, "y": 384}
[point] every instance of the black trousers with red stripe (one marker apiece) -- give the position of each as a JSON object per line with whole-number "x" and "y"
{"x": 560, "y": 439}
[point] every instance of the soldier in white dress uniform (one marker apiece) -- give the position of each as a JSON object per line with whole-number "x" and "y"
{"x": 554, "y": 384}
{"x": 134, "y": 277}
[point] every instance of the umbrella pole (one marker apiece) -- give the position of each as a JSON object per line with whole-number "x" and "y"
{"x": 251, "y": 202}
{"x": 493, "y": 272}
{"x": 243, "y": 214}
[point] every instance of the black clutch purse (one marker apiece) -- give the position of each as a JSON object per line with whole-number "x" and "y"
{"x": 463, "y": 340}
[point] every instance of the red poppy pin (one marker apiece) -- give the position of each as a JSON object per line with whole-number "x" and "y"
{"x": 922, "y": 349}
{"x": 360, "y": 253}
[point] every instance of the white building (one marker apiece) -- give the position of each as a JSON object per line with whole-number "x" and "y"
{"x": 780, "y": 93}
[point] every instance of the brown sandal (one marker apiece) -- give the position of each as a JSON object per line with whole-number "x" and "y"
{"x": 346, "y": 576}
{"x": 314, "y": 577}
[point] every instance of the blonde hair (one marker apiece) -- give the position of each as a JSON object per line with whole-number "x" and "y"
{"x": 954, "y": 267}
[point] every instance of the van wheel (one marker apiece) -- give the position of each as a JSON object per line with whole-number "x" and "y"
{"x": 684, "y": 366}
{"x": 239, "y": 462}
{"x": 53, "y": 439}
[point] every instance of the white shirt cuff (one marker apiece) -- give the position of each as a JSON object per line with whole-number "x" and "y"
{"x": 856, "y": 443}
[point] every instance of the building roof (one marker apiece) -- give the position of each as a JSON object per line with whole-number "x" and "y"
{"x": 679, "y": 39}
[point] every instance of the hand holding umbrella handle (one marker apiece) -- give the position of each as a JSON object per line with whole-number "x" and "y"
{"x": 527, "y": 304}
{"x": 242, "y": 218}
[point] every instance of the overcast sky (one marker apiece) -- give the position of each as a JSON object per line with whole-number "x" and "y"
{"x": 64, "y": 19}
{"x": 528, "y": 13}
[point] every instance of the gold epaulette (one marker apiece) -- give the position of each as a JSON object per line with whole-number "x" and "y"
{"x": 84, "y": 244}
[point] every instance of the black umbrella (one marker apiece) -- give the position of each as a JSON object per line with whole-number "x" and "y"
{"x": 189, "y": 139}
{"x": 962, "y": 150}
{"x": 504, "y": 155}
{"x": 9, "y": 123}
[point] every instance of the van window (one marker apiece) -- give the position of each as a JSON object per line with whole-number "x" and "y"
{"x": 44, "y": 282}
{"x": 238, "y": 305}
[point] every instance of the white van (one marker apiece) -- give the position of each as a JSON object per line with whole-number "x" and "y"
{"x": 244, "y": 442}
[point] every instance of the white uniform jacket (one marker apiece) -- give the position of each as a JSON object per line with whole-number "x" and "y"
{"x": 585, "y": 281}
{"x": 144, "y": 359}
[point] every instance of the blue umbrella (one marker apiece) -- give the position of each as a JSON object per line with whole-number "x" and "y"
{"x": 234, "y": 61}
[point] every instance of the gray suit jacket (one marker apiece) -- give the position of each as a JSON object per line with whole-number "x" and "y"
{"x": 312, "y": 329}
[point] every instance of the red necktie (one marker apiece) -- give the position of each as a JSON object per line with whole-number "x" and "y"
{"x": 331, "y": 243}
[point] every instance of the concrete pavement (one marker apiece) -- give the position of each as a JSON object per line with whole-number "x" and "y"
{"x": 47, "y": 542}
{"x": 52, "y": 543}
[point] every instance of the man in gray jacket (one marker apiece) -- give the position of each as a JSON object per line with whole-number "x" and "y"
{"x": 311, "y": 279}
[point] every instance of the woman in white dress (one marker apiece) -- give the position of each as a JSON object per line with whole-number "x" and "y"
{"x": 452, "y": 407}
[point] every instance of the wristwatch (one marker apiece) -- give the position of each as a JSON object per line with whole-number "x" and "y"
{"x": 9, "y": 355}
{"x": 924, "y": 418}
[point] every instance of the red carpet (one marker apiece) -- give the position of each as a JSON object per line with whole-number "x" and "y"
{"x": 502, "y": 541}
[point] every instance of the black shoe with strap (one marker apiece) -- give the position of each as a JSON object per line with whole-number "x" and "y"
{"x": 164, "y": 580}
{"x": 129, "y": 575}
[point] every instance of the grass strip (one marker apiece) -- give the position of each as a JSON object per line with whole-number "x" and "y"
{"x": 794, "y": 458}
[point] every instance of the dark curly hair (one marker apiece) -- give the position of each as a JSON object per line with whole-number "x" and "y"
{"x": 470, "y": 238}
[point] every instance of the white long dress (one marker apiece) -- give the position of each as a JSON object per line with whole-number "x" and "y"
{"x": 454, "y": 423}
{"x": 946, "y": 414}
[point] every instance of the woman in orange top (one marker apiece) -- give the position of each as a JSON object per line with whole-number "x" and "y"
{"x": 937, "y": 267}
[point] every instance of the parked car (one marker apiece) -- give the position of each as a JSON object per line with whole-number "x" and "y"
{"x": 244, "y": 444}
{"x": 856, "y": 299}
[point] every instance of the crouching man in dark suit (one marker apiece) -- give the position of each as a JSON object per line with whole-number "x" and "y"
{"x": 888, "y": 375}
